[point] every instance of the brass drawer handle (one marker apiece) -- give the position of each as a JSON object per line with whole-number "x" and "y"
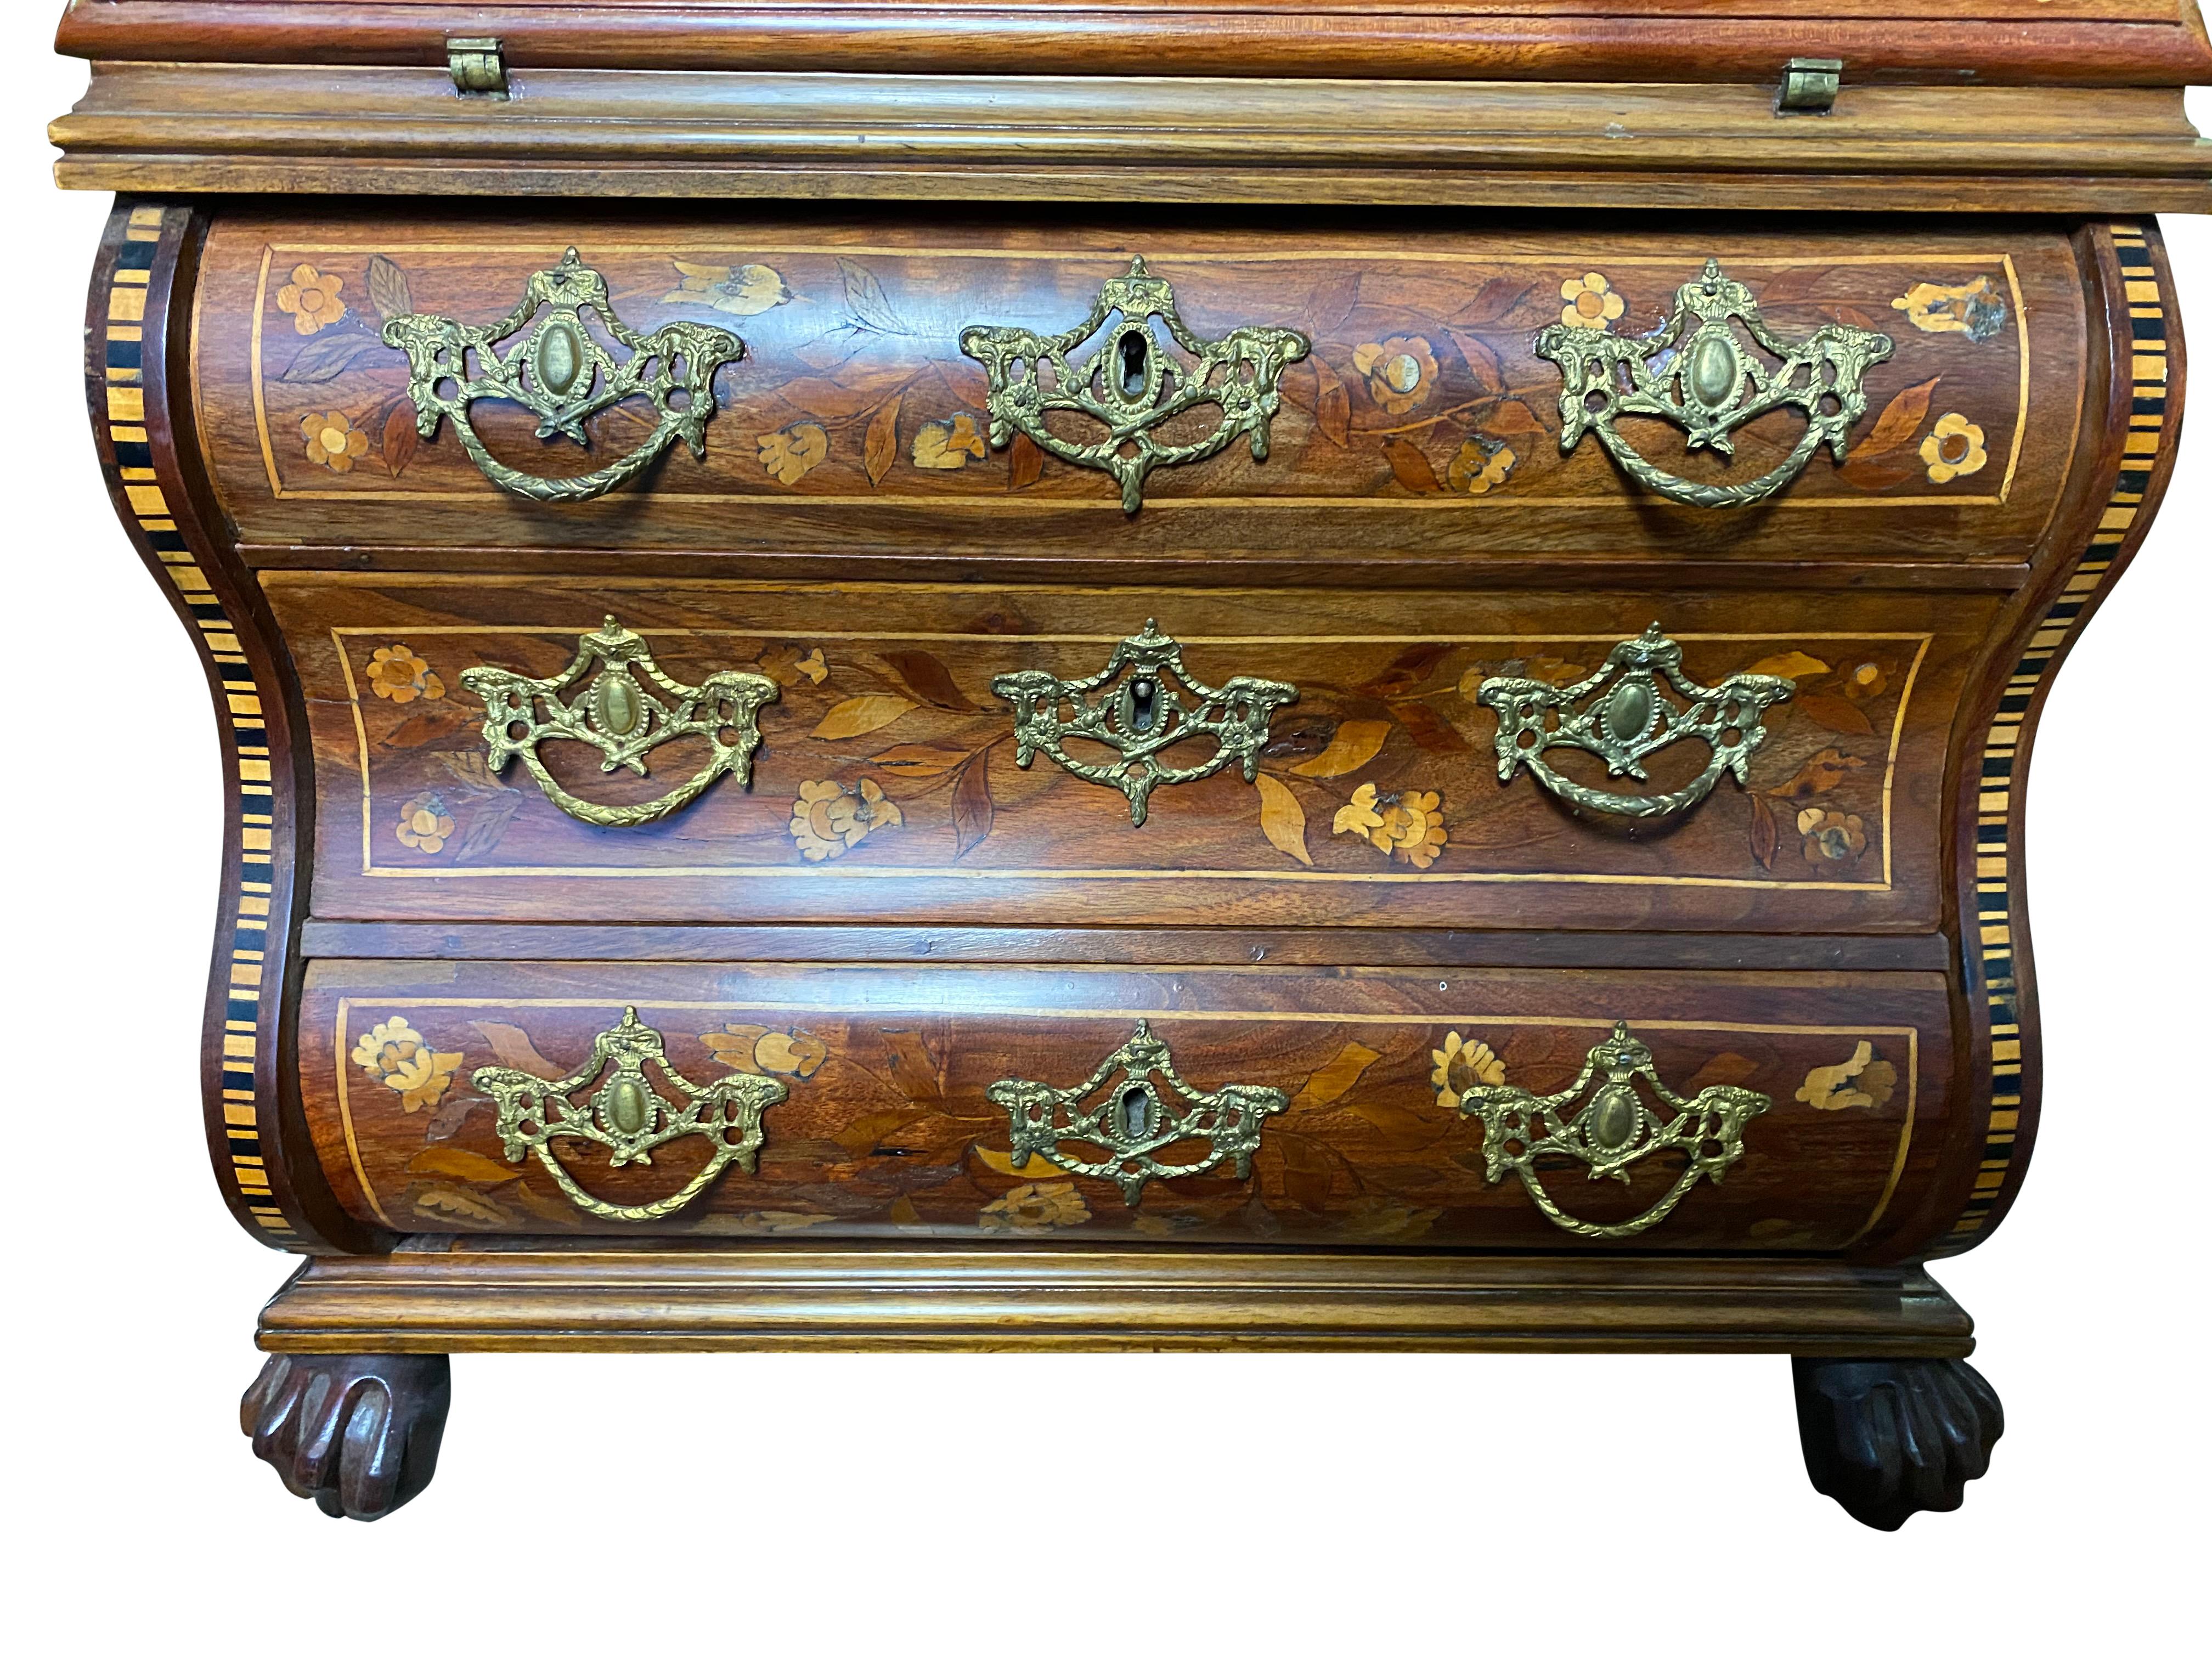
{"x": 1612, "y": 1131}
{"x": 1129, "y": 386}
{"x": 629, "y": 1117}
{"x": 1122, "y": 1108}
{"x": 1627, "y": 716}
{"x": 618, "y": 715}
{"x": 563, "y": 376}
{"x": 1139, "y": 711}
{"x": 1708, "y": 386}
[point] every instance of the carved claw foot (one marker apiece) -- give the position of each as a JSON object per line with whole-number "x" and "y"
{"x": 1887, "y": 1438}
{"x": 358, "y": 1433}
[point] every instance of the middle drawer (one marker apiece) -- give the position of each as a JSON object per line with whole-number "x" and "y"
{"x": 1042, "y": 756}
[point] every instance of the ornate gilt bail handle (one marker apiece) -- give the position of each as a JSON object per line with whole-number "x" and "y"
{"x": 1129, "y": 386}
{"x": 618, "y": 713}
{"x": 1624, "y": 712}
{"x": 1693, "y": 372}
{"x": 1141, "y": 704}
{"x": 629, "y": 1117}
{"x": 1133, "y": 1108}
{"x": 563, "y": 376}
{"x": 1604, "y": 1122}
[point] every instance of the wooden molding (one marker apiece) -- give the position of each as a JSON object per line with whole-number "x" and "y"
{"x": 599, "y": 132}
{"x": 1990, "y": 42}
{"x": 452, "y": 1296}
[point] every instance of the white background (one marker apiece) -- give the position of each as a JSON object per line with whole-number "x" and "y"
{"x": 837, "y": 1505}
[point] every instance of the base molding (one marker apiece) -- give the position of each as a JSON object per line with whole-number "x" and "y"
{"x": 461, "y": 1295}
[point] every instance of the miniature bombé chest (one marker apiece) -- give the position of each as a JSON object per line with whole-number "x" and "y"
{"x": 1243, "y": 676}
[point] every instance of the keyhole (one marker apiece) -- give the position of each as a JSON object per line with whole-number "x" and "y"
{"x": 1136, "y": 1114}
{"x": 1144, "y": 705}
{"x": 1133, "y": 346}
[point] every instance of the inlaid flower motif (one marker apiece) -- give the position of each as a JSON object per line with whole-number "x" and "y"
{"x": 1953, "y": 449}
{"x": 1480, "y": 467}
{"x": 1831, "y": 837}
{"x": 396, "y": 673}
{"x": 1975, "y": 310}
{"x": 758, "y": 1050}
{"x": 1383, "y": 1220}
{"x": 794, "y": 452}
{"x": 1039, "y": 1208}
{"x": 1409, "y": 825}
{"x": 1461, "y": 1066}
{"x": 311, "y": 300}
{"x": 333, "y": 440}
{"x": 740, "y": 290}
{"x": 828, "y": 819}
{"x": 943, "y": 446}
{"x": 400, "y": 1057}
{"x": 1829, "y": 1088}
{"x": 425, "y": 824}
{"x": 785, "y": 666}
{"x": 1400, "y": 371}
{"x": 1865, "y": 682}
{"x": 1591, "y": 302}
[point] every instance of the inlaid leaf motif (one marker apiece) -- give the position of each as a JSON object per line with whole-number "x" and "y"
{"x": 915, "y": 760}
{"x": 458, "y": 1164}
{"x": 1282, "y": 820}
{"x": 1765, "y": 832}
{"x": 860, "y": 1136}
{"x": 1897, "y": 423}
{"x": 1494, "y": 302}
{"x": 329, "y": 355}
{"x": 1727, "y": 1067}
{"x": 1409, "y": 466}
{"x": 1333, "y": 1079}
{"x": 1836, "y": 714}
{"x": 866, "y": 303}
{"x": 1820, "y": 774}
{"x": 1332, "y": 404}
{"x": 856, "y": 716}
{"x": 1406, "y": 671}
{"x": 973, "y": 809}
{"x": 929, "y": 679}
{"x": 1355, "y": 743}
{"x": 1825, "y": 1089}
{"x": 485, "y": 822}
{"x": 1024, "y": 462}
{"x": 511, "y": 1046}
{"x": 1512, "y": 418}
{"x": 1789, "y": 665}
{"x": 1481, "y": 362}
{"x": 452, "y": 1203}
{"x": 400, "y": 438}
{"x": 879, "y": 450}
{"x": 388, "y": 288}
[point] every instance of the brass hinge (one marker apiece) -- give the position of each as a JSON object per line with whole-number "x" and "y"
{"x": 479, "y": 66}
{"x": 1809, "y": 86}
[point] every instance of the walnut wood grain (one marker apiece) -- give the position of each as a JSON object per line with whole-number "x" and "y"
{"x": 1015, "y": 136}
{"x": 904, "y": 707}
{"x": 2104, "y": 42}
{"x": 465, "y": 1295}
{"x": 865, "y": 352}
{"x": 888, "y": 1133}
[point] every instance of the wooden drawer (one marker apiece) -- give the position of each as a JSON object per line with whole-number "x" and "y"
{"x": 890, "y": 782}
{"x": 883, "y": 1101}
{"x": 1416, "y": 420}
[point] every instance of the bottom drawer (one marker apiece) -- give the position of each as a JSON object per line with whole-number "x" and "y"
{"x": 1497, "y": 1108}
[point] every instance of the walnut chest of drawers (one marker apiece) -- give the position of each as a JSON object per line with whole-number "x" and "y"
{"x": 891, "y": 682}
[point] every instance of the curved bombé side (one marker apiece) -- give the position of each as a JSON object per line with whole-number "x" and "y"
{"x": 2130, "y": 284}
{"x": 136, "y": 345}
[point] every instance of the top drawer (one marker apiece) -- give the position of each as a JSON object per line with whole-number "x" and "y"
{"x": 1405, "y": 385}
